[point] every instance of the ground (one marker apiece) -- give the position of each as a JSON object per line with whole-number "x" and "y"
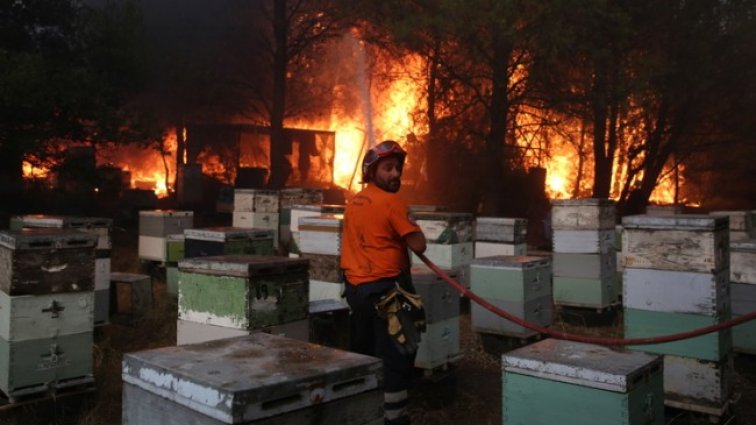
{"x": 469, "y": 392}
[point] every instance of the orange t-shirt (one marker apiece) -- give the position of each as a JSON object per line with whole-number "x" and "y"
{"x": 372, "y": 244}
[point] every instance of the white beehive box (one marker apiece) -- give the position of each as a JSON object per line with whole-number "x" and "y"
{"x": 445, "y": 227}
{"x": 320, "y": 234}
{"x": 584, "y": 241}
{"x": 446, "y": 256}
{"x": 491, "y": 249}
{"x": 249, "y": 379}
{"x": 698, "y": 385}
{"x": 589, "y": 266}
{"x": 501, "y": 229}
{"x": 101, "y": 227}
{"x": 677, "y": 242}
{"x": 256, "y": 200}
{"x": 439, "y": 344}
{"x": 740, "y": 224}
{"x": 583, "y": 214}
{"x": 743, "y": 261}
{"x": 676, "y": 292}
{"x": 188, "y": 332}
{"x": 154, "y": 228}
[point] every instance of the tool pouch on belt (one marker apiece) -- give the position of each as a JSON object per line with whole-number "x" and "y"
{"x": 405, "y": 316}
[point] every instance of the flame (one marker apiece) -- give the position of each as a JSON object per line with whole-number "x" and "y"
{"x": 34, "y": 172}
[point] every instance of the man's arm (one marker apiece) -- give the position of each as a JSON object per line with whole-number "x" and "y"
{"x": 416, "y": 242}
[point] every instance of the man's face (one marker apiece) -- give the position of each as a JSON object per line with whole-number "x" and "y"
{"x": 388, "y": 174}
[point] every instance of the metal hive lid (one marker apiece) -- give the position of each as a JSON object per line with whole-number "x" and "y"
{"x": 675, "y": 222}
{"x": 244, "y": 265}
{"x": 587, "y": 365}
{"x": 47, "y": 238}
{"x": 62, "y": 221}
{"x": 222, "y": 234}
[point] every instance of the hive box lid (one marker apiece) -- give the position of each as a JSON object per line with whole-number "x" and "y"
{"x": 46, "y": 238}
{"x": 587, "y": 365}
{"x": 62, "y": 221}
{"x": 166, "y": 213}
{"x": 519, "y": 262}
{"x": 244, "y": 265}
{"x": 744, "y": 245}
{"x": 502, "y": 221}
{"x": 675, "y": 222}
{"x": 223, "y": 234}
{"x": 242, "y": 379}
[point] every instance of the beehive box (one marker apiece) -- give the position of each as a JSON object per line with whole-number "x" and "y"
{"x": 36, "y": 365}
{"x": 500, "y": 229}
{"x": 131, "y": 297}
{"x": 324, "y": 267}
{"x": 243, "y": 291}
{"x": 713, "y": 346}
{"x": 664, "y": 210}
{"x": 445, "y": 227}
{"x": 743, "y": 302}
{"x": 300, "y": 211}
{"x": 194, "y": 333}
{"x": 102, "y": 306}
{"x": 584, "y": 241}
{"x": 743, "y": 261}
{"x": 589, "y": 266}
{"x": 538, "y": 310}
{"x": 677, "y": 242}
{"x": 740, "y": 224}
{"x": 676, "y": 292}
{"x": 154, "y": 228}
{"x": 583, "y": 214}
{"x": 506, "y": 278}
{"x": 175, "y": 248}
{"x": 439, "y": 344}
{"x": 491, "y": 249}
{"x": 213, "y": 241}
{"x": 564, "y": 382}
{"x": 102, "y": 274}
{"x": 447, "y": 256}
{"x": 320, "y": 234}
{"x": 250, "y": 220}
{"x": 100, "y": 227}
{"x": 25, "y": 317}
{"x": 325, "y": 290}
{"x": 440, "y": 300}
{"x": 43, "y": 261}
{"x": 288, "y": 198}
{"x": 697, "y": 385}
{"x": 585, "y": 292}
{"x": 260, "y": 379}
{"x": 255, "y": 200}
{"x": 171, "y": 279}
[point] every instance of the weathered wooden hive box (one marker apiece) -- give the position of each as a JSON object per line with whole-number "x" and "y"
{"x": 583, "y": 214}
{"x": 447, "y": 256}
{"x": 519, "y": 285}
{"x": 445, "y": 227}
{"x": 289, "y": 198}
{"x": 743, "y": 302}
{"x": 325, "y": 279}
{"x": 44, "y": 261}
{"x": 741, "y": 224}
{"x": 131, "y": 297}
{"x": 492, "y": 249}
{"x": 584, "y": 241}
{"x": 501, "y": 229}
{"x": 256, "y": 200}
{"x": 743, "y": 261}
{"x": 101, "y": 227}
{"x": 243, "y": 291}
{"x": 677, "y": 242}
{"x": 28, "y": 317}
{"x": 320, "y": 234}
{"x": 155, "y": 226}
{"x": 248, "y": 220}
{"x": 439, "y": 343}
{"x": 256, "y": 379}
{"x": 440, "y": 300}
{"x": 563, "y": 382}
{"x": 698, "y": 385}
{"x": 300, "y": 211}
{"x": 213, "y": 241}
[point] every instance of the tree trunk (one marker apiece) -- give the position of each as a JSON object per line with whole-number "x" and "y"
{"x": 279, "y": 165}
{"x": 434, "y": 165}
{"x": 601, "y": 166}
{"x": 11, "y": 167}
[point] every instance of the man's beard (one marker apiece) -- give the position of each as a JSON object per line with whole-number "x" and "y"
{"x": 391, "y": 186}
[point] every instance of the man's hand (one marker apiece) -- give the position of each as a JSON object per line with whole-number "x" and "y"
{"x": 416, "y": 242}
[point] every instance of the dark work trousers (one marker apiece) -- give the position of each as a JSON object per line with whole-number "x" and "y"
{"x": 369, "y": 335}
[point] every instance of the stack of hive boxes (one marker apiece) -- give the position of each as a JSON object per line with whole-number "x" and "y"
{"x": 741, "y": 224}
{"x": 211, "y": 241}
{"x": 46, "y": 310}
{"x": 585, "y": 260}
{"x": 520, "y": 285}
{"x": 439, "y": 344}
{"x": 560, "y": 382}
{"x": 500, "y": 236}
{"x": 154, "y": 228}
{"x": 743, "y": 292}
{"x": 258, "y": 379}
{"x": 100, "y": 227}
{"x": 449, "y": 237}
{"x": 256, "y": 209}
{"x": 320, "y": 244}
{"x": 300, "y": 211}
{"x": 288, "y": 199}
{"x": 233, "y": 295}
{"x": 676, "y": 280}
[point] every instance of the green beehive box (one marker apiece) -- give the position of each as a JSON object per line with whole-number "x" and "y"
{"x": 712, "y": 346}
{"x": 243, "y": 291}
{"x": 171, "y": 280}
{"x": 36, "y": 365}
{"x": 563, "y": 382}
{"x": 743, "y": 302}
{"x": 584, "y": 292}
{"x": 511, "y": 278}
{"x": 174, "y": 248}
{"x": 26, "y": 317}
{"x": 214, "y": 241}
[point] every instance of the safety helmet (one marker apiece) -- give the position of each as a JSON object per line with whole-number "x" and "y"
{"x": 381, "y": 150}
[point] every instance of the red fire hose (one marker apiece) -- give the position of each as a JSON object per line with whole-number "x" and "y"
{"x": 583, "y": 338}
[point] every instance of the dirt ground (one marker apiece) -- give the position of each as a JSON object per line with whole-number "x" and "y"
{"x": 469, "y": 392}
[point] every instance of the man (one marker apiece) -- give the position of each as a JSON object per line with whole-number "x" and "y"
{"x": 377, "y": 232}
